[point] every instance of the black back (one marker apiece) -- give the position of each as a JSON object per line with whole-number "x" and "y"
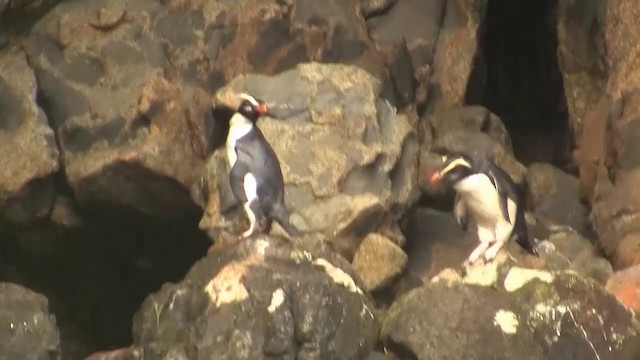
{"x": 257, "y": 157}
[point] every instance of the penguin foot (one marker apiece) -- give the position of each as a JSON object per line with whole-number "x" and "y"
{"x": 478, "y": 252}
{"x": 246, "y": 234}
{"x": 493, "y": 251}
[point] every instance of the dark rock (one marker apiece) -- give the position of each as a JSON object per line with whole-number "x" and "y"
{"x": 370, "y": 8}
{"x": 434, "y": 242}
{"x": 476, "y": 119}
{"x": 27, "y": 329}
{"x": 127, "y": 98}
{"x": 402, "y": 74}
{"x": 102, "y": 100}
{"x": 535, "y": 315}
{"x": 581, "y": 57}
{"x": 562, "y": 248}
{"x": 354, "y": 161}
{"x": 470, "y": 130}
{"x": 414, "y": 25}
{"x": 441, "y": 36}
{"x": 553, "y": 194}
{"x": 27, "y": 145}
{"x": 272, "y": 37}
{"x": 612, "y": 170}
{"x": 259, "y": 299}
{"x": 614, "y": 205}
{"x": 594, "y": 147}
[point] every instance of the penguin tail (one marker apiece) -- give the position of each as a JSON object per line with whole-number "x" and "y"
{"x": 527, "y": 244}
{"x": 521, "y": 235}
{"x": 281, "y": 215}
{"x": 522, "y": 238}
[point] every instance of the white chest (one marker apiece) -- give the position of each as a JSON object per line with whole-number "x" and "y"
{"x": 239, "y": 126}
{"x": 482, "y": 200}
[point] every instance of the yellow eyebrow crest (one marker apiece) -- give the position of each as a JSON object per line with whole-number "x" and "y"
{"x": 455, "y": 163}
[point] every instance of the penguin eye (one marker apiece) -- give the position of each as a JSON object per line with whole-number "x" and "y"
{"x": 247, "y": 109}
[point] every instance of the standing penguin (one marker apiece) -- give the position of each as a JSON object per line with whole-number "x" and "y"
{"x": 255, "y": 178}
{"x": 486, "y": 192}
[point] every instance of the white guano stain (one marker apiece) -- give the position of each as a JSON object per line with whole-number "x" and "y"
{"x": 507, "y": 321}
{"x": 277, "y": 298}
{"x": 339, "y": 277}
{"x": 227, "y": 287}
{"x": 518, "y": 277}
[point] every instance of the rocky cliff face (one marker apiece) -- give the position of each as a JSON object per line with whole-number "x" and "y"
{"x": 114, "y": 181}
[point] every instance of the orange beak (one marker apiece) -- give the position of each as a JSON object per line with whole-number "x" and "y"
{"x": 262, "y": 109}
{"x": 435, "y": 178}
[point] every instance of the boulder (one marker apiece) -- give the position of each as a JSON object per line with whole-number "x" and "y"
{"x": 122, "y": 126}
{"x": 349, "y": 160}
{"x": 378, "y": 261}
{"x": 27, "y": 330}
{"x": 581, "y": 57}
{"x": 127, "y": 86}
{"x": 532, "y": 315}
{"x": 553, "y": 194}
{"x": 608, "y": 155}
{"x": 563, "y": 248}
{"x": 434, "y": 242}
{"x": 27, "y": 145}
{"x": 260, "y": 299}
{"x": 616, "y": 199}
{"x": 435, "y": 40}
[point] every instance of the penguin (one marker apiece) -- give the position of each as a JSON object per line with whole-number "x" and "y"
{"x": 486, "y": 192}
{"x": 256, "y": 177}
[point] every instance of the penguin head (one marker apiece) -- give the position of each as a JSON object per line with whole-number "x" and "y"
{"x": 454, "y": 169}
{"x": 252, "y": 108}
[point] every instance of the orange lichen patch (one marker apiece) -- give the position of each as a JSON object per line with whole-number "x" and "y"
{"x": 625, "y": 285}
{"x": 227, "y": 287}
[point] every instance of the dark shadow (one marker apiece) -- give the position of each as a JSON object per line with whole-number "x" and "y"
{"x": 516, "y": 76}
{"x": 96, "y": 275}
{"x": 221, "y": 116}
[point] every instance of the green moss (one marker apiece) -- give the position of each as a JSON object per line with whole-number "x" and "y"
{"x": 536, "y": 292}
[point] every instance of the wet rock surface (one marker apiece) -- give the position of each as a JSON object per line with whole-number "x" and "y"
{"x": 27, "y": 329}
{"x": 259, "y": 299}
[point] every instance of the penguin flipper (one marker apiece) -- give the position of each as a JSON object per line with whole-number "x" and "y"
{"x": 460, "y": 212}
{"x": 236, "y": 180}
{"x": 521, "y": 235}
{"x": 522, "y": 239}
{"x": 502, "y": 197}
